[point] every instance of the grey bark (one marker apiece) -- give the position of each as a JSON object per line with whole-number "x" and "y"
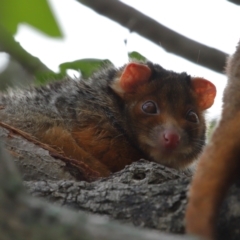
{"x": 144, "y": 194}
{"x": 24, "y": 217}
{"x": 170, "y": 40}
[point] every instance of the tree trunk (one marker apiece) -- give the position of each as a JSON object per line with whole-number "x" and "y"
{"x": 144, "y": 194}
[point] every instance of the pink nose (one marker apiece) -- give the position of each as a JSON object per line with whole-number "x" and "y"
{"x": 170, "y": 139}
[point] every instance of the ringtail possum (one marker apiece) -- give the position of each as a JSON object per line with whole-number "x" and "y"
{"x": 117, "y": 116}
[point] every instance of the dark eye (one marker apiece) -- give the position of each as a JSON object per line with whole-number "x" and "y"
{"x": 149, "y": 107}
{"x": 192, "y": 117}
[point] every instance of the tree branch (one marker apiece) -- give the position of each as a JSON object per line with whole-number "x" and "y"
{"x": 235, "y": 1}
{"x": 141, "y": 194}
{"x": 23, "y": 217}
{"x": 145, "y": 194}
{"x": 170, "y": 40}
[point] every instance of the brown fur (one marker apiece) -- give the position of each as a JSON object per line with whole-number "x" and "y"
{"x": 105, "y": 148}
{"x": 101, "y": 122}
{"x": 219, "y": 165}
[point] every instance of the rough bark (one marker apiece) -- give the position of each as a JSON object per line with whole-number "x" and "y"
{"x": 144, "y": 194}
{"x": 24, "y": 217}
{"x": 170, "y": 40}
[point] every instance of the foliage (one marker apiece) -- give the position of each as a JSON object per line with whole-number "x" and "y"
{"x": 15, "y": 12}
{"x": 136, "y": 56}
{"x": 86, "y": 66}
{"x": 36, "y": 13}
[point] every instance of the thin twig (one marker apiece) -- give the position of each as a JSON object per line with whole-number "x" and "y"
{"x": 87, "y": 173}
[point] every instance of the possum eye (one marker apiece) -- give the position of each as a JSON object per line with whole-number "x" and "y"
{"x": 192, "y": 117}
{"x": 149, "y": 107}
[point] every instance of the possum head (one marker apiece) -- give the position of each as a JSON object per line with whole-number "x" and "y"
{"x": 164, "y": 112}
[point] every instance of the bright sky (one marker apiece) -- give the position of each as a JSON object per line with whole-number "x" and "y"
{"x": 89, "y": 35}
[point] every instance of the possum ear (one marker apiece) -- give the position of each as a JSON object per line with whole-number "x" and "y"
{"x": 205, "y": 91}
{"x": 133, "y": 75}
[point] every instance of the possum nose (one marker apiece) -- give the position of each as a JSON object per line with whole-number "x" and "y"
{"x": 171, "y": 139}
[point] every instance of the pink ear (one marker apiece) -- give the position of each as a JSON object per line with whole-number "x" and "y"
{"x": 206, "y": 92}
{"x": 133, "y": 75}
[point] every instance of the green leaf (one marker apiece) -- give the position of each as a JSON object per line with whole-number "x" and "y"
{"x": 136, "y": 56}
{"x": 36, "y": 13}
{"x": 86, "y": 66}
{"x": 43, "y": 78}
